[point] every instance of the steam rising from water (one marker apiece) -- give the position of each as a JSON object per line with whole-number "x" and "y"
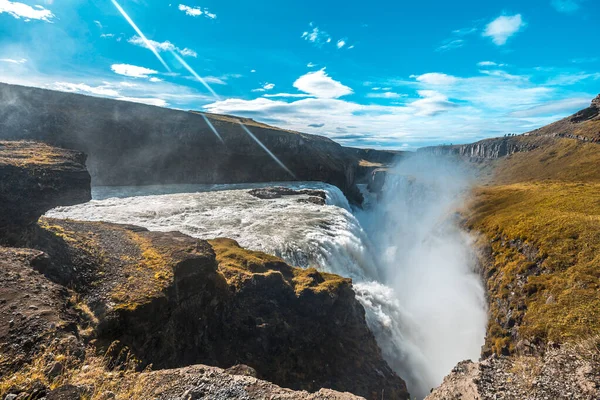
{"x": 431, "y": 313}
{"x": 412, "y": 267}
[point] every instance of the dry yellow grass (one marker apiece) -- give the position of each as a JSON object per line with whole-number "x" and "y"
{"x": 23, "y": 153}
{"x": 541, "y": 213}
{"x": 236, "y": 262}
{"x": 147, "y": 277}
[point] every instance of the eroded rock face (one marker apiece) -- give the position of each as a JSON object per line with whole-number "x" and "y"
{"x": 571, "y": 371}
{"x": 485, "y": 149}
{"x": 297, "y": 328}
{"x": 34, "y": 178}
{"x": 314, "y": 196}
{"x": 33, "y": 310}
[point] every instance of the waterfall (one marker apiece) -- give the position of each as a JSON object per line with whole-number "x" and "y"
{"x": 370, "y": 247}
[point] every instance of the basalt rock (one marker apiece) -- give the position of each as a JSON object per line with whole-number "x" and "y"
{"x": 33, "y": 310}
{"x": 297, "y": 328}
{"x": 34, "y": 178}
{"x": 314, "y": 196}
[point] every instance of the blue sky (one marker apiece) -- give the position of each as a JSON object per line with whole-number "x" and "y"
{"x": 371, "y": 74}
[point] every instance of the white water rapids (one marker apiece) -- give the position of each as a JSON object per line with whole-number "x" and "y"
{"x": 412, "y": 268}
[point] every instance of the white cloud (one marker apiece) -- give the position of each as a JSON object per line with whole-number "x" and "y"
{"x": 450, "y": 45}
{"x": 214, "y": 80}
{"x": 145, "y": 100}
{"x": 20, "y": 10}
{"x": 14, "y": 61}
{"x": 162, "y": 46}
{"x": 290, "y": 95}
{"x": 86, "y": 89}
{"x": 105, "y": 90}
{"x": 253, "y": 71}
{"x": 320, "y": 85}
{"x": 503, "y": 28}
{"x": 554, "y": 107}
{"x": 311, "y": 65}
{"x": 316, "y": 36}
{"x": 196, "y": 11}
{"x": 155, "y": 79}
{"x": 431, "y": 104}
{"x": 341, "y": 43}
{"x": 571, "y": 78}
{"x": 98, "y": 24}
{"x": 490, "y": 64}
{"x": 385, "y": 95}
{"x": 265, "y": 87}
{"x": 107, "y": 35}
{"x": 132, "y": 70}
{"x": 435, "y": 78}
{"x": 462, "y": 109}
{"x": 566, "y": 6}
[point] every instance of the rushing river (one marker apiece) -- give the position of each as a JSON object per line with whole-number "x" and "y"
{"x": 412, "y": 268}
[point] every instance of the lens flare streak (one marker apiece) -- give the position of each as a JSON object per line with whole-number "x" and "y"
{"x": 203, "y": 82}
{"x": 139, "y": 32}
{"x": 191, "y": 71}
{"x": 273, "y": 156}
{"x": 212, "y": 128}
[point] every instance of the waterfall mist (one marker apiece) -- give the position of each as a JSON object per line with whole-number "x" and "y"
{"x": 428, "y": 311}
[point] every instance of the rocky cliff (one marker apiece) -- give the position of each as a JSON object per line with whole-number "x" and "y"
{"x": 583, "y": 125}
{"x": 34, "y": 178}
{"x": 534, "y": 220}
{"x": 94, "y": 303}
{"x": 135, "y": 144}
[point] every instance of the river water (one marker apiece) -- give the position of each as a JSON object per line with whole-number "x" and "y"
{"x": 423, "y": 300}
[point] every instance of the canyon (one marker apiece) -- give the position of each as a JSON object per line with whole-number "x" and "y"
{"x": 331, "y": 285}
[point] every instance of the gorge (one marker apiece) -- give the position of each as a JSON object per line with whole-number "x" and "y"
{"x": 201, "y": 259}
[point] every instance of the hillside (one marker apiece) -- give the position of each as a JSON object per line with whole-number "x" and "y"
{"x": 536, "y": 214}
{"x": 135, "y": 144}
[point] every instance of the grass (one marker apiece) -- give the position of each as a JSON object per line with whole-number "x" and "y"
{"x": 25, "y": 153}
{"x": 94, "y": 372}
{"x": 235, "y": 263}
{"x": 147, "y": 277}
{"x": 541, "y": 214}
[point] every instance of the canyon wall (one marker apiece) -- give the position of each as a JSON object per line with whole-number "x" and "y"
{"x": 135, "y": 144}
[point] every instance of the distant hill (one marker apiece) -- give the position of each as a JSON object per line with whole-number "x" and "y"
{"x": 134, "y": 144}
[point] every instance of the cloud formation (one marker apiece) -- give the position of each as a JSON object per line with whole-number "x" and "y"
{"x": 132, "y": 71}
{"x": 503, "y": 27}
{"x": 196, "y": 11}
{"x": 25, "y": 12}
{"x": 161, "y": 46}
{"x": 321, "y": 85}
{"x": 435, "y": 78}
{"x": 316, "y": 35}
{"x": 265, "y": 87}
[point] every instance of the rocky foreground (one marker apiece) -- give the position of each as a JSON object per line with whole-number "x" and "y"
{"x": 98, "y": 310}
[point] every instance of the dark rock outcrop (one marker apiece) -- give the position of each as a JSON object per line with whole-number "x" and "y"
{"x": 485, "y": 149}
{"x": 167, "y": 300}
{"x": 315, "y": 196}
{"x": 135, "y": 144}
{"x": 33, "y": 310}
{"x": 297, "y": 328}
{"x": 34, "y": 178}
